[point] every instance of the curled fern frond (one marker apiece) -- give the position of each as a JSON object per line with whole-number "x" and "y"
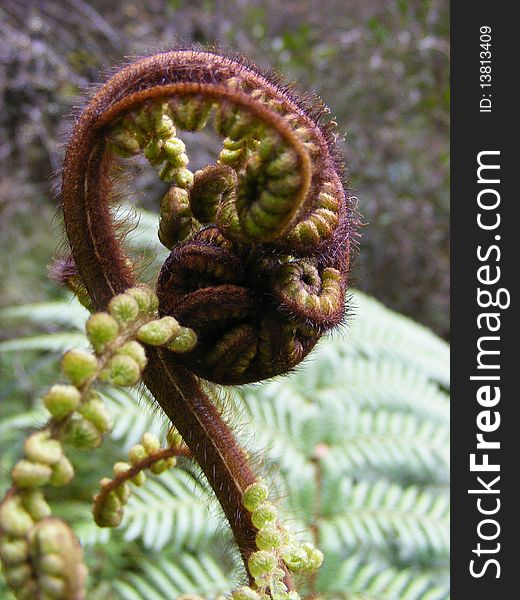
{"x": 260, "y": 242}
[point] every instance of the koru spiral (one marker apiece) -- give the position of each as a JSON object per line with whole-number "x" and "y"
{"x": 260, "y": 242}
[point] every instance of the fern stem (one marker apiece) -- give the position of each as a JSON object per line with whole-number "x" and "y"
{"x": 224, "y": 462}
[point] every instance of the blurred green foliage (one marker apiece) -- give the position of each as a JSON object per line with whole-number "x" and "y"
{"x": 382, "y": 67}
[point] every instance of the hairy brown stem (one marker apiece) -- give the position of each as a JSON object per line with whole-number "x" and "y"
{"x": 212, "y": 442}
{"x": 130, "y": 473}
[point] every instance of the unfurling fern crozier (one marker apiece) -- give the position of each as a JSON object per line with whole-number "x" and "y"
{"x": 260, "y": 242}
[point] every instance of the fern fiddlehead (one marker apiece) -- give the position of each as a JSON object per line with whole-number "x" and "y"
{"x": 260, "y": 242}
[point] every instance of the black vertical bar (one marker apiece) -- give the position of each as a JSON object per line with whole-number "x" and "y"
{"x": 484, "y": 122}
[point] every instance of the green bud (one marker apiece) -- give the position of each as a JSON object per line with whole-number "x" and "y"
{"x": 159, "y": 332}
{"x": 190, "y": 114}
{"x": 139, "y": 479}
{"x": 82, "y": 434}
{"x": 174, "y": 147}
{"x": 35, "y": 504}
{"x": 13, "y": 550}
{"x": 96, "y": 412}
{"x": 137, "y": 453}
{"x": 61, "y": 400}
{"x": 109, "y": 519}
{"x": 167, "y": 173}
{"x": 122, "y": 370}
{"x": 14, "y": 519}
{"x": 180, "y": 176}
{"x": 53, "y": 537}
{"x": 28, "y": 474}
{"x": 153, "y": 151}
{"x": 269, "y": 143}
{"x": 110, "y": 513}
{"x": 185, "y": 341}
{"x": 254, "y": 495}
{"x": 171, "y": 462}
{"x": 123, "y": 492}
{"x": 134, "y": 350}
{"x": 180, "y": 161}
{"x": 150, "y": 443}
{"x": 62, "y": 472}
{"x": 231, "y": 157}
{"x": 159, "y": 467}
{"x": 286, "y": 162}
{"x": 302, "y": 558}
{"x": 164, "y": 126}
{"x": 146, "y": 299}
{"x": 53, "y": 587}
{"x": 268, "y": 538}
{"x": 78, "y": 366}
{"x": 124, "y": 142}
{"x": 46, "y": 538}
{"x": 184, "y": 178}
{"x": 261, "y": 563}
{"x": 295, "y": 558}
{"x": 120, "y": 468}
{"x": 52, "y": 564}
{"x": 124, "y": 308}
{"x": 112, "y": 502}
{"x": 101, "y": 330}
{"x": 40, "y": 448}
{"x": 245, "y": 593}
{"x": 17, "y": 576}
{"x": 266, "y": 513}
{"x": 314, "y": 557}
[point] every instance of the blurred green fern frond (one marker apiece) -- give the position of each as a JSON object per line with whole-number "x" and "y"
{"x": 354, "y": 443}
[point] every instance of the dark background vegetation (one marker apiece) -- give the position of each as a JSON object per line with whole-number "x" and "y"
{"x": 381, "y": 66}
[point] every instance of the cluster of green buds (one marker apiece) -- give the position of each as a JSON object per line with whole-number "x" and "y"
{"x": 276, "y": 545}
{"x": 235, "y": 152}
{"x": 118, "y": 358}
{"x": 110, "y": 501}
{"x": 169, "y": 333}
{"x": 80, "y": 418}
{"x": 151, "y": 129}
{"x": 44, "y": 463}
{"x": 41, "y": 556}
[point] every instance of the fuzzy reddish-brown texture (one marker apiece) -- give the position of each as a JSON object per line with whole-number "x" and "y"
{"x": 105, "y": 269}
